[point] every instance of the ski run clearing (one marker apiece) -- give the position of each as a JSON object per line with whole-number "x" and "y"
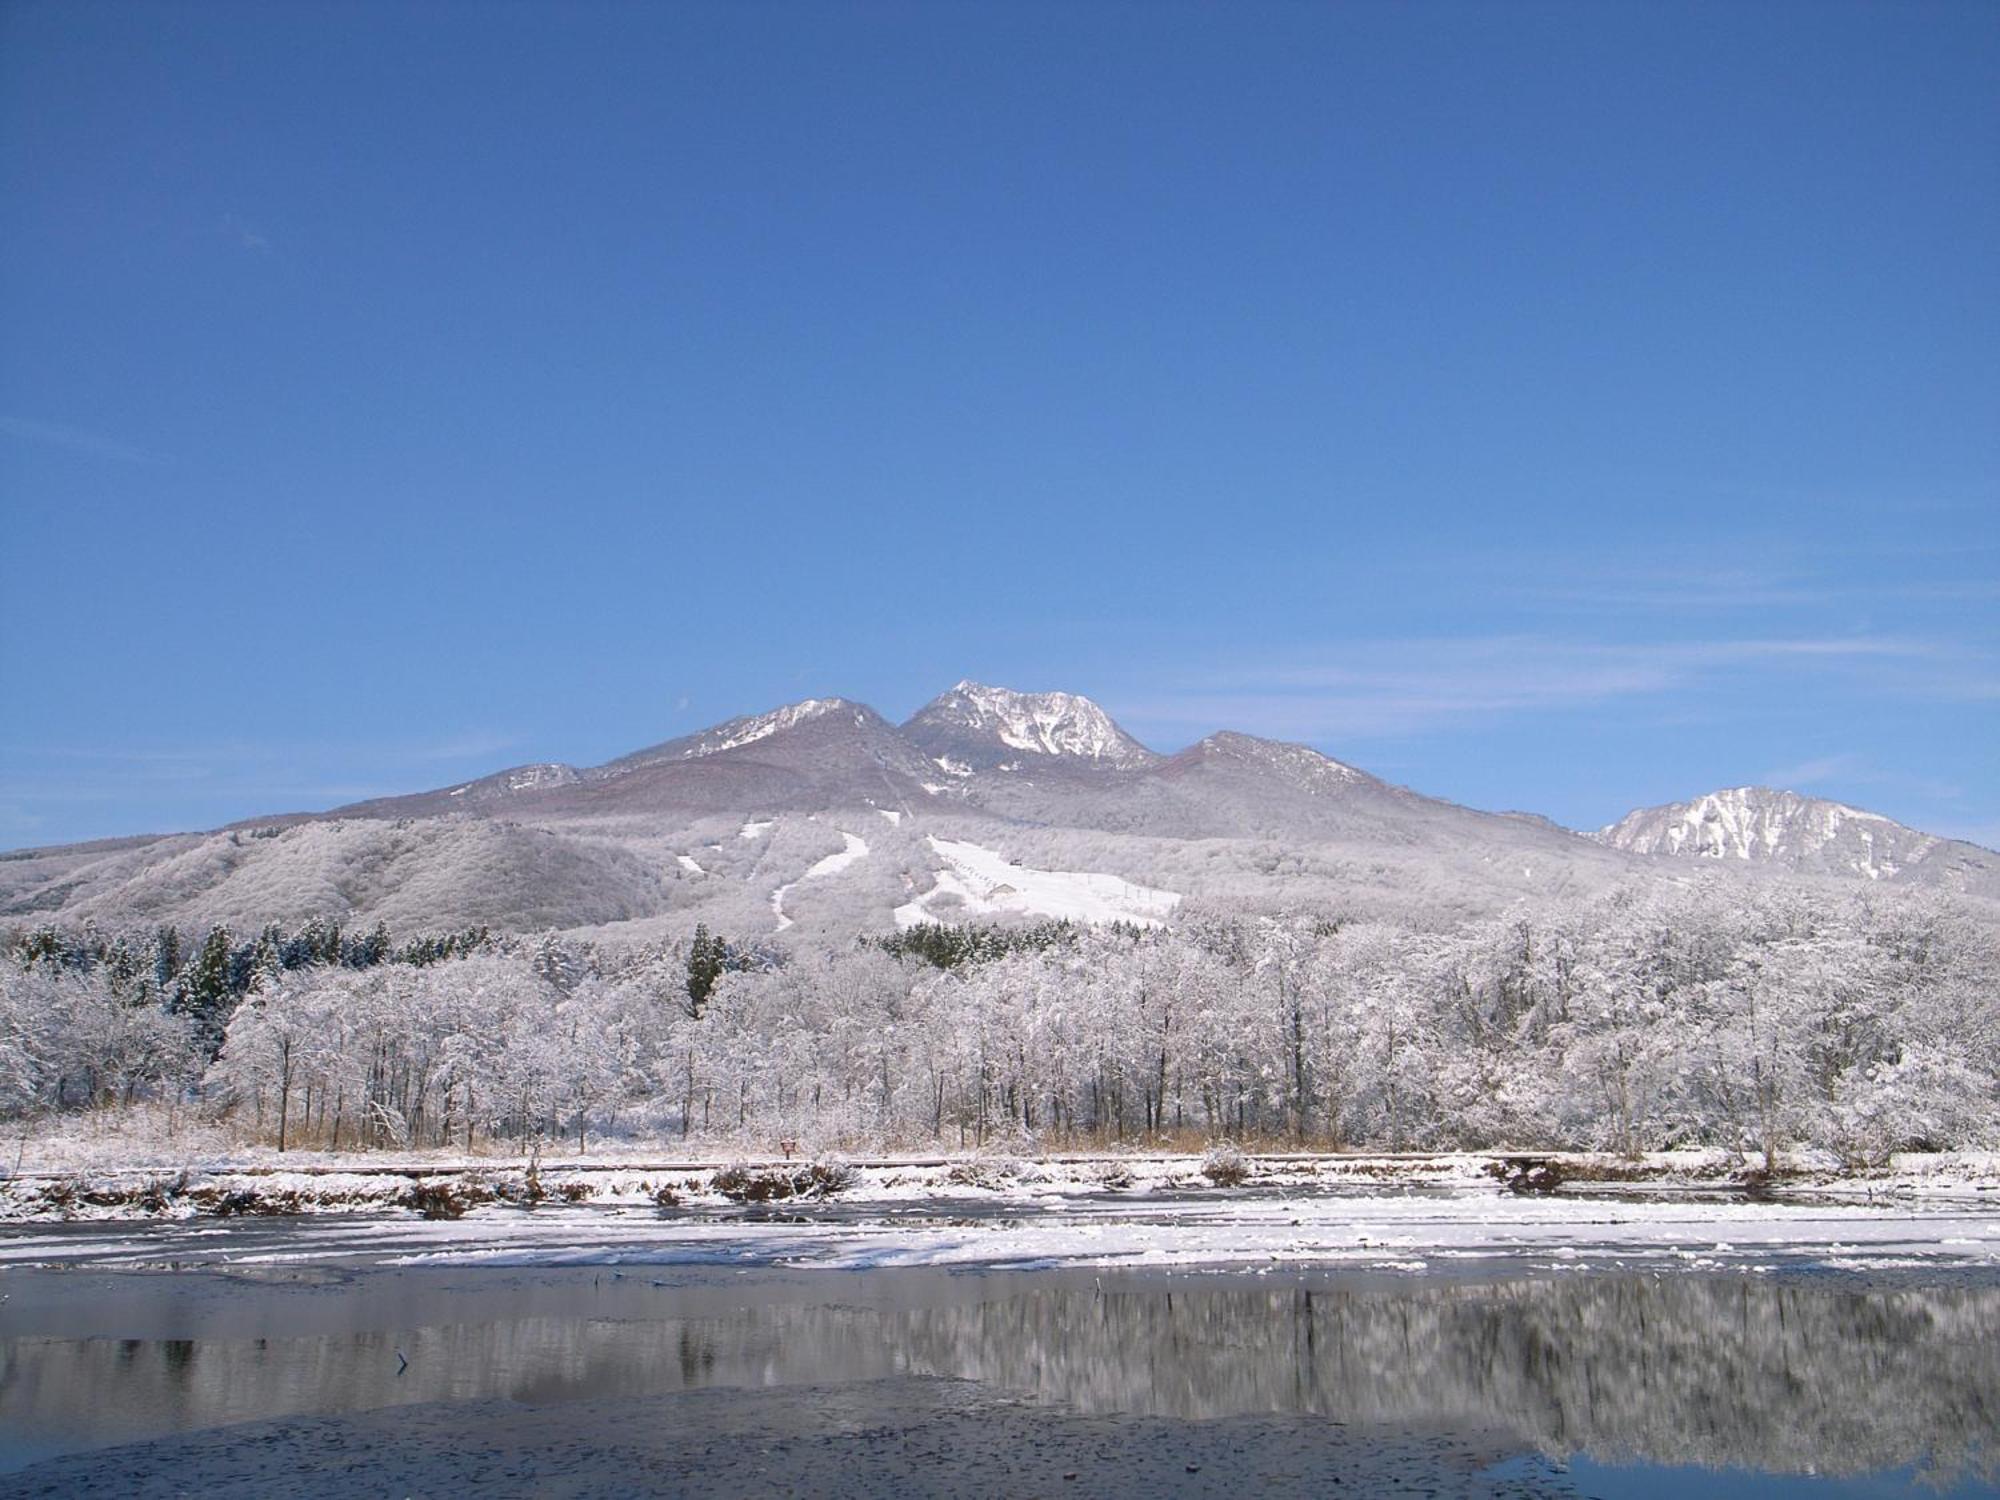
{"x": 854, "y": 848}
{"x": 975, "y": 881}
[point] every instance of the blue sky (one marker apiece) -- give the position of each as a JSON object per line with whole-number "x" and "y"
{"x": 1564, "y": 407}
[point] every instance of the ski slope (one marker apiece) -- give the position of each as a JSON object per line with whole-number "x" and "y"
{"x": 980, "y": 882}
{"x": 853, "y": 848}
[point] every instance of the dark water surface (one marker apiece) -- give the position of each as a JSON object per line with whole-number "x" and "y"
{"x": 1641, "y": 1385}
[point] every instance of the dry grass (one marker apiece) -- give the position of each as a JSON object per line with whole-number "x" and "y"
{"x": 1225, "y": 1165}
{"x": 746, "y": 1184}
{"x": 444, "y": 1198}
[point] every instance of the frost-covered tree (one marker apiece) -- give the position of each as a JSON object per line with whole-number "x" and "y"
{"x": 1861, "y": 1024}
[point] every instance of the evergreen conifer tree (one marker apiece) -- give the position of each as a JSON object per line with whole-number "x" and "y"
{"x": 707, "y": 958}
{"x": 267, "y": 958}
{"x": 126, "y": 972}
{"x": 204, "y": 993}
{"x": 166, "y": 957}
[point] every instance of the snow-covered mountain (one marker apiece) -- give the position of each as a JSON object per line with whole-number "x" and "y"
{"x": 531, "y": 778}
{"x": 1762, "y": 825}
{"x": 734, "y": 734}
{"x": 1316, "y": 772}
{"x": 754, "y": 825}
{"x": 804, "y": 757}
{"x": 975, "y": 727}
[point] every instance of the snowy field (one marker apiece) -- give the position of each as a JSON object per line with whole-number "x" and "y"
{"x": 82, "y": 1151}
{"x": 1057, "y": 1215}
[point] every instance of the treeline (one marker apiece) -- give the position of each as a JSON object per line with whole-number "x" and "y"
{"x": 947, "y": 945}
{"x": 89, "y": 1019}
{"x": 1864, "y": 1024}
{"x": 204, "y": 980}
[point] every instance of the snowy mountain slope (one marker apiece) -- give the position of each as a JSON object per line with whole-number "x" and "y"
{"x": 516, "y": 779}
{"x": 1236, "y": 786}
{"x": 491, "y": 795}
{"x": 429, "y": 874}
{"x": 826, "y": 753}
{"x": 975, "y": 727}
{"x": 662, "y": 836}
{"x": 734, "y": 734}
{"x": 807, "y": 756}
{"x": 853, "y": 847}
{"x": 972, "y": 881}
{"x": 1760, "y": 825}
{"x": 48, "y": 879}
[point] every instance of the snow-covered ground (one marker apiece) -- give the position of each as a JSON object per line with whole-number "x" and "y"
{"x": 981, "y": 882}
{"x": 144, "y": 1144}
{"x": 853, "y": 848}
{"x": 1387, "y": 1231}
{"x": 1381, "y": 1213}
{"x": 1052, "y": 1225}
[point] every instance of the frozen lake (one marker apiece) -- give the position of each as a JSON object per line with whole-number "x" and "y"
{"x": 1441, "y": 1342}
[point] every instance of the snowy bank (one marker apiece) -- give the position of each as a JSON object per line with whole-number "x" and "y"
{"x": 1411, "y": 1213}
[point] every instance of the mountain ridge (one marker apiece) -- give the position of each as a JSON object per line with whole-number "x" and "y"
{"x": 1047, "y": 780}
{"x": 983, "y": 727}
{"x": 1771, "y": 825}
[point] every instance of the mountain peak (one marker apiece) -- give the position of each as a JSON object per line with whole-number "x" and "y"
{"x": 748, "y": 729}
{"x": 753, "y": 727}
{"x": 979, "y": 725}
{"x": 1283, "y": 755}
{"x": 1298, "y": 765}
{"x": 1768, "y": 825}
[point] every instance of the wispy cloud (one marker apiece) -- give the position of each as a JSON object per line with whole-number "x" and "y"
{"x": 1850, "y": 769}
{"x": 1818, "y": 771}
{"x": 16, "y": 820}
{"x": 470, "y": 746}
{"x": 1396, "y": 687}
{"x": 1686, "y": 588}
{"x": 247, "y": 238}
{"x": 77, "y": 440}
{"x": 77, "y": 789}
{"x": 265, "y": 775}
{"x": 1834, "y": 578}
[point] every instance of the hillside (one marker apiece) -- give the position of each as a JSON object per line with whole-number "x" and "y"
{"x": 823, "y": 819}
{"x": 1762, "y": 826}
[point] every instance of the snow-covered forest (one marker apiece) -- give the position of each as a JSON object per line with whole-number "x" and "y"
{"x": 1760, "y": 1020}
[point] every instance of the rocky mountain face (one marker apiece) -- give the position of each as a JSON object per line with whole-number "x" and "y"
{"x": 1761, "y": 825}
{"x": 977, "y": 728}
{"x": 822, "y": 817}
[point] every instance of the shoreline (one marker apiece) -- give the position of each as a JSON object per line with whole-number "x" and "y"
{"x": 445, "y": 1185}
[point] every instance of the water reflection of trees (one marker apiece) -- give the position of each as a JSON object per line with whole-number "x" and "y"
{"x": 1744, "y": 1373}
{"x": 1777, "y": 1376}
